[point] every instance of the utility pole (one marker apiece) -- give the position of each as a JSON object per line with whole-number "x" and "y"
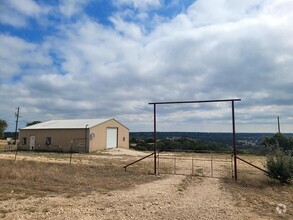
{"x": 16, "y": 124}
{"x": 279, "y": 130}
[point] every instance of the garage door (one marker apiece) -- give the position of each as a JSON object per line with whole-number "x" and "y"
{"x": 112, "y": 137}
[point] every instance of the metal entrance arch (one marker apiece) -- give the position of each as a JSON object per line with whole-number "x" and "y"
{"x": 190, "y": 102}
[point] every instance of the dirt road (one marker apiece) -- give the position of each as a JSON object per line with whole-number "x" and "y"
{"x": 172, "y": 197}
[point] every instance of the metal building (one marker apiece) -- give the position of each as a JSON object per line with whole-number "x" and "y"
{"x": 80, "y": 135}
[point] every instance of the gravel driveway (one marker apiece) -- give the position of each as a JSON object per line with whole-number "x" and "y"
{"x": 171, "y": 197}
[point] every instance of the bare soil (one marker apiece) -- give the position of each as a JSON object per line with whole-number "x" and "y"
{"x": 95, "y": 186}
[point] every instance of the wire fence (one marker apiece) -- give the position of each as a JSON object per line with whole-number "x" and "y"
{"x": 198, "y": 163}
{"x": 178, "y": 162}
{"x": 54, "y": 154}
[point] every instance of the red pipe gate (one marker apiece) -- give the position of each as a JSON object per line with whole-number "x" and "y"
{"x": 189, "y": 102}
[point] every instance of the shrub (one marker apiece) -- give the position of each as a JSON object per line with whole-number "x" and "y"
{"x": 279, "y": 140}
{"x": 280, "y": 166}
{"x": 140, "y": 148}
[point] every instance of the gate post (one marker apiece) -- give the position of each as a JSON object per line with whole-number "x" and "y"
{"x": 234, "y": 142}
{"x": 155, "y": 141}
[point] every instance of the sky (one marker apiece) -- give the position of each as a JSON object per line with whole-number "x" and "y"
{"x": 76, "y": 59}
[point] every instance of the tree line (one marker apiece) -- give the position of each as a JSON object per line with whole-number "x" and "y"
{"x": 4, "y": 125}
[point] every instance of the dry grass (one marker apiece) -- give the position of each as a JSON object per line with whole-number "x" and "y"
{"x": 4, "y": 145}
{"x": 20, "y": 179}
{"x": 188, "y": 181}
{"x": 48, "y": 174}
{"x": 261, "y": 194}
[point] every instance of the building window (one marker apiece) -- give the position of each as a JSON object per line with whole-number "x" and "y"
{"x": 23, "y": 141}
{"x": 123, "y": 138}
{"x": 48, "y": 141}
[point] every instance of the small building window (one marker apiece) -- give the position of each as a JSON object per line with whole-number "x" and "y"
{"x": 123, "y": 138}
{"x": 23, "y": 141}
{"x": 48, "y": 141}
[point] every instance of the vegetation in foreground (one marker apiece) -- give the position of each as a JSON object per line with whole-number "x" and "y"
{"x": 280, "y": 160}
{"x": 20, "y": 179}
{"x": 261, "y": 194}
{"x": 280, "y": 166}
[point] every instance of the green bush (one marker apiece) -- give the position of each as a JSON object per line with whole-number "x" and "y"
{"x": 279, "y": 140}
{"x": 140, "y": 148}
{"x": 280, "y": 166}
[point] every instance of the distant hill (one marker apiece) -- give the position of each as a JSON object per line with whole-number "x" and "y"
{"x": 245, "y": 142}
{"x": 214, "y": 137}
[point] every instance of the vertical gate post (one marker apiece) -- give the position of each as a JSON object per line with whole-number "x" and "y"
{"x": 234, "y": 142}
{"x": 155, "y": 140}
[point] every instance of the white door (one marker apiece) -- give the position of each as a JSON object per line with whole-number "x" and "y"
{"x": 112, "y": 136}
{"x": 32, "y": 142}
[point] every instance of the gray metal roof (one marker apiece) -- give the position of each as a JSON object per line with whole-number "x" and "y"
{"x": 67, "y": 124}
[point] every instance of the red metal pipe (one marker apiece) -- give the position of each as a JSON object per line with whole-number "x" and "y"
{"x": 137, "y": 161}
{"x": 155, "y": 140}
{"x": 254, "y": 165}
{"x": 234, "y": 142}
{"x": 202, "y": 101}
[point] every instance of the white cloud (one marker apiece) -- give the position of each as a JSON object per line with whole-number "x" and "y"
{"x": 130, "y": 30}
{"x": 72, "y": 7}
{"x": 17, "y": 13}
{"x": 26, "y": 7}
{"x": 18, "y": 57}
{"x": 140, "y": 4}
{"x": 242, "y": 50}
{"x": 220, "y": 11}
